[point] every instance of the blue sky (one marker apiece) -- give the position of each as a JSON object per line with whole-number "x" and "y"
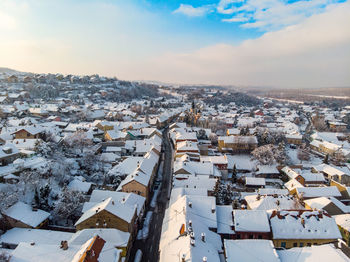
{"x": 172, "y": 41}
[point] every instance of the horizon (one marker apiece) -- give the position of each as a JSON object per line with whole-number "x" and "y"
{"x": 261, "y": 44}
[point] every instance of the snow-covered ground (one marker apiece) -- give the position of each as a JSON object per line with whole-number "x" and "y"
{"x": 143, "y": 233}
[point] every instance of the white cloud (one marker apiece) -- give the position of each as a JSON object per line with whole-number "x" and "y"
{"x": 227, "y": 6}
{"x": 272, "y": 14}
{"x": 189, "y": 10}
{"x": 313, "y": 53}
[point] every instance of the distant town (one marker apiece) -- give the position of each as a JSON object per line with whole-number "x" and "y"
{"x": 95, "y": 168}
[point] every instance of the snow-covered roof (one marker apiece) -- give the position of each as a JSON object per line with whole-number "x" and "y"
{"x": 255, "y": 181}
{"x": 127, "y": 199}
{"x": 312, "y": 254}
{"x": 110, "y": 235}
{"x": 26, "y": 214}
{"x": 224, "y": 218}
{"x": 321, "y": 202}
{"x": 309, "y": 192}
{"x": 126, "y": 213}
{"x": 195, "y": 215}
{"x": 257, "y": 202}
{"x": 251, "y": 221}
{"x": 303, "y": 225}
{"x": 343, "y": 221}
{"x": 78, "y": 185}
{"x": 252, "y": 250}
{"x": 39, "y": 236}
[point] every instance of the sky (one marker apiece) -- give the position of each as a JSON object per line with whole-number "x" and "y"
{"x": 260, "y": 43}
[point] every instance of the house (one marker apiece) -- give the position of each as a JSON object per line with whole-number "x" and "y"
{"x": 191, "y": 236}
{"x": 92, "y": 250}
{"x": 313, "y": 192}
{"x": 313, "y": 253}
{"x": 251, "y": 224}
{"x": 130, "y": 200}
{"x": 337, "y": 126}
{"x": 237, "y": 144}
{"x": 108, "y": 214}
{"x": 329, "y": 204}
{"x": 255, "y": 182}
{"x": 267, "y": 171}
{"x": 343, "y": 222}
{"x": 332, "y": 173}
{"x": 252, "y": 250}
{"x": 268, "y": 202}
{"x": 343, "y": 189}
{"x": 115, "y": 135}
{"x": 220, "y": 162}
{"x": 24, "y": 215}
{"x": 295, "y": 139}
{"x": 136, "y": 182}
{"x": 298, "y": 228}
{"x": 189, "y": 148}
{"x": 29, "y": 132}
{"x": 8, "y": 154}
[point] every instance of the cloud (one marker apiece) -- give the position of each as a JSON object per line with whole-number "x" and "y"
{"x": 314, "y": 53}
{"x": 270, "y": 15}
{"x": 189, "y": 10}
{"x": 227, "y": 6}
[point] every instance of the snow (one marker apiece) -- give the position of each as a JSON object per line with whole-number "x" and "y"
{"x": 251, "y": 221}
{"x": 143, "y": 233}
{"x": 39, "y": 236}
{"x": 255, "y": 181}
{"x": 257, "y": 202}
{"x": 224, "y": 218}
{"x": 312, "y": 254}
{"x": 252, "y": 250}
{"x": 115, "y": 208}
{"x": 78, "y": 185}
{"x": 343, "y": 221}
{"x": 317, "y": 225}
{"x": 24, "y": 213}
{"x": 310, "y": 192}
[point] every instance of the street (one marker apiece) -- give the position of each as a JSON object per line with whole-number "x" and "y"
{"x": 150, "y": 245}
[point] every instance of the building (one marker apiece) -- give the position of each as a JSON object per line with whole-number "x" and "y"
{"x": 25, "y": 216}
{"x": 299, "y": 228}
{"x": 237, "y": 144}
{"x": 109, "y": 214}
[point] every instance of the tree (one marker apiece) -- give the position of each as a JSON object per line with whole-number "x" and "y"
{"x": 270, "y": 154}
{"x": 303, "y": 155}
{"x": 234, "y": 173}
{"x": 69, "y": 205}
{"x": 326, "y": 159}
{"x": 78, "y": 140}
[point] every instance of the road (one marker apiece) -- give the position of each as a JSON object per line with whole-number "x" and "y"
{"x": 150, "y": 246}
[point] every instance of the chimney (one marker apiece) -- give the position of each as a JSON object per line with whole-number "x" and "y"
{"x": 303, "y": 222}
{"x": 205, "y": 259}
{"x": 183, "y": 259}
{"x": 190, "y": 223}
{"x": 213, "y": 209}
{"x": 192, "y": 235}
{"x": 64, "y": 245}
{"x": 203, "y": 237}
{"x": 190, "y": 204}
{"x": 193, "y": 242}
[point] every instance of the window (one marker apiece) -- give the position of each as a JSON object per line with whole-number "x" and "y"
{"x": 309, "y": 244}
{"x": 283, "y": 244}
{"x": 251, "y": 236}
{"x": 238, "y": 236}
{"x": 259, "y": 236}
{"x": 301, "y": 244}
{"x": 295, "y": 244}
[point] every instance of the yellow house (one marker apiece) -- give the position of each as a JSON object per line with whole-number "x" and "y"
{"x": 108, "y": 214}
{"x": 299, "y": 228}
{"x": 137, "y": 183}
